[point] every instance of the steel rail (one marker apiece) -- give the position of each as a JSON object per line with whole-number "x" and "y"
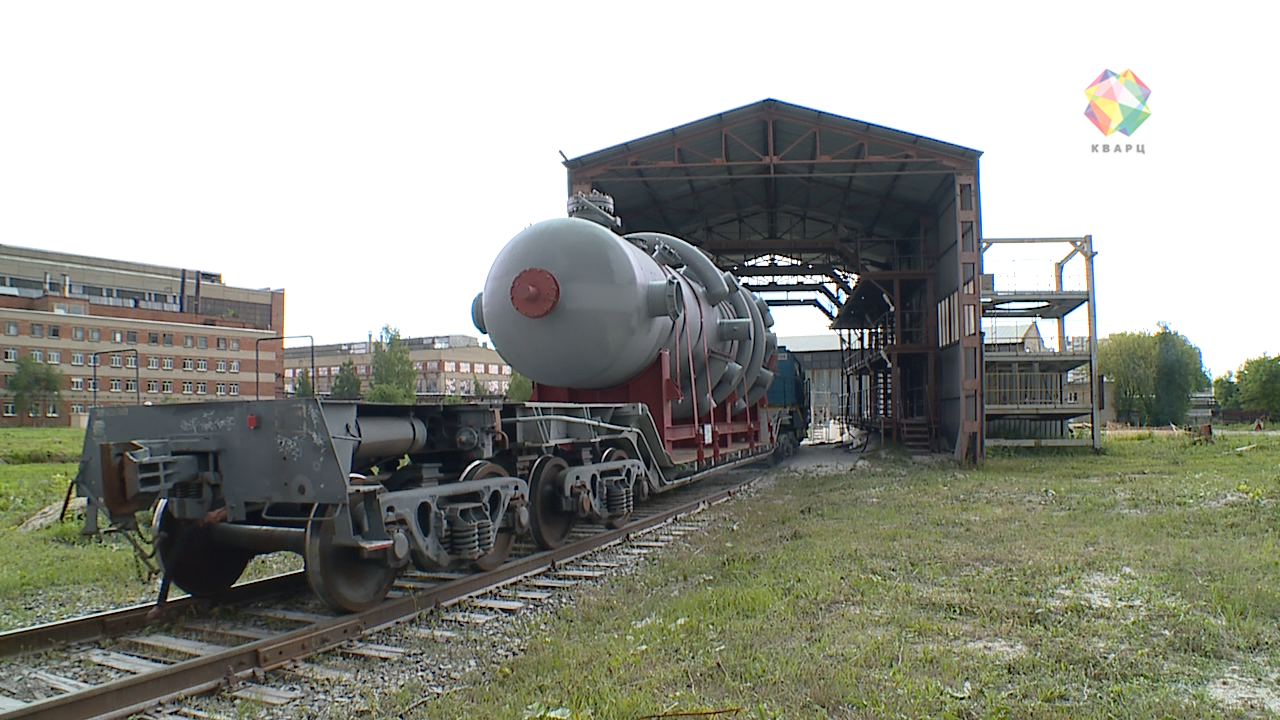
{"x": 113, "y": 623}
{"x": 205, "y": 674}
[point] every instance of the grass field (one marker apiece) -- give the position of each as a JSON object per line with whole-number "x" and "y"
{"x": 1138, "y": 583}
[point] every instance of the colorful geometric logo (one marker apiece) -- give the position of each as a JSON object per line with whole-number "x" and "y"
{"x": 1117, "y": 103}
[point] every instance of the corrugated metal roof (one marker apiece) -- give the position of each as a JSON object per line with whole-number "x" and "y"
{"x": 772, "y": 171}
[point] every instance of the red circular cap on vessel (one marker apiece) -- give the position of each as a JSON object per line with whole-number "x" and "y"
{"x": 534, "y": 292}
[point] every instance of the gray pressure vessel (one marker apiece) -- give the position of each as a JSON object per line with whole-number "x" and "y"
{"x": 571, "y": 304}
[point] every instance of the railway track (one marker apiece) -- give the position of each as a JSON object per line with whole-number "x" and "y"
{"x": 118, "y": 663}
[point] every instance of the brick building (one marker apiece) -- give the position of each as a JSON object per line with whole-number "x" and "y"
{"x": 149, "y": 333}
{"x": 457, "y": 365}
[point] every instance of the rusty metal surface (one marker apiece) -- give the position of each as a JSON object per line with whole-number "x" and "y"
{"x": 205, "y": 674}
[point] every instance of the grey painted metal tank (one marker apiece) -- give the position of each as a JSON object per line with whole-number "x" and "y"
{"x": 570, "y": 303}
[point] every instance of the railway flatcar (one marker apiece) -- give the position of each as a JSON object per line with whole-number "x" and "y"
{"x": 651, "y": 368}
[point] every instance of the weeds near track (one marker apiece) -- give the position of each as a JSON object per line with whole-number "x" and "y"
{"x": 1138, "y": 583}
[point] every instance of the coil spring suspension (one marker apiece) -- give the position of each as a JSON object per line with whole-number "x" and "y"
{"x": 484, "y": 535}
{"x": 618, "y": 502}
{"x": 464, "y": 540}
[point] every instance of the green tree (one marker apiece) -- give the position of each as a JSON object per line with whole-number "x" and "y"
{"x": 1179, "y": 372}
{"x": 393, "y": 375}
{"x": 1225, "y": 391}
{"x": 1153, "y": 374}
{"x": 1259, "y": 382}
{"x": 520, "y": 389}
{"x": 346, "y": 384}
{"x": 1128, "y": 360}
{"x": 34, "y": 385}
{"x": 302, "y": 385}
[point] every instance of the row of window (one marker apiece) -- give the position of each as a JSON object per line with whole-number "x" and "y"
{"x": 452, "y": 386}
{"x": 431, "y": 366}
{"x": 11, "y": 410}
{"x": 37, "y": 330}
{"x": 54, "y": 357}
{"x": 188, "y": 387}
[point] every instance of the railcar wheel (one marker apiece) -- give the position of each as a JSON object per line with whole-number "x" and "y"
{"x": 338, "y": 575}
{"x": 505, "y": 537}
{"x": 190, "y": 559}
{"x": 549, "y": 524}
{"x": 615, "y": 454}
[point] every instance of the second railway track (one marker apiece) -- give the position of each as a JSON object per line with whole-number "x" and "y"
{"x": 162, "y": 667}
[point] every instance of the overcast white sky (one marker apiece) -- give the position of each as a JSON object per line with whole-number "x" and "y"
{"x": 371, "y": 158}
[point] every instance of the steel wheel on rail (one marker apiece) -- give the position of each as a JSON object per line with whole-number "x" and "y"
{"x": 505, "y": 537}
{"x": 190, "y": 558}
{"x": 549, "y": 524}
{"x": 615, "y": 454}
{"x": 337, "y": 574}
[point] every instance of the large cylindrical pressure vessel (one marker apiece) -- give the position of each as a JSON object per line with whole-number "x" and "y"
{"x": 569, "y": 303}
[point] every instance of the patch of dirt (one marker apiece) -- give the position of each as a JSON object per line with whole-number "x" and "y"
{"x": 1237, "y": 691}
{"x": 1003, "y": 649}
{"x": 1229, "y": 498}
{"x": 48, "y": 515}
{"x": 1097, "y": 590}
{"x": 823, "y": 460}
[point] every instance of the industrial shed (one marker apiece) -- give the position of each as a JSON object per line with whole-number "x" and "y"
{"x": 877, "y": 228}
